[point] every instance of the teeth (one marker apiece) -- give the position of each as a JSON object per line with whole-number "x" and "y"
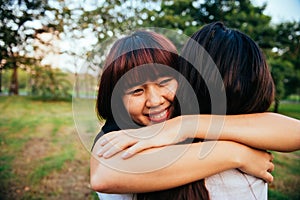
{"x": 159, "y": 115}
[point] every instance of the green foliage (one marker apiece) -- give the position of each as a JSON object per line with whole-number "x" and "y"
{"x": 24, "y": 78}
{"x": 189, "y": 16}
{"x": 16, "y": 33}
{"x": 50, "y": 84}
{"x": 280, "y": 69}
{"x": 6, "y": 74}
{"x": 287, "y": 49}
{"x": 42, "y": 83}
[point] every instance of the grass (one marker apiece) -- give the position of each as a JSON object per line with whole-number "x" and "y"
{"x": 287, "y": 165}
{"x": 287, "y": 177}
{"x": 290, "y": 109}
{"x": 41, "y": 156}
{"x": 50, "y": 164}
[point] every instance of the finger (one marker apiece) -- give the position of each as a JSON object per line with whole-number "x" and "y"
{"x": 115, "y": 146}
{"x": 136, "y": 148}
{"x": 269, "y": 177}
{"x": 103, "y": 141}
{"x": 122, "y": 146}
{"x": 271, "y": 167}
{"x": 271, "y": 157}
{"x": 106, "y": 138}
{"x": 104, "y": 149}
{"x": 112, "y": 151}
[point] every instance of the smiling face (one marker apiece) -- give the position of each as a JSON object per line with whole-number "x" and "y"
{"x": 152, "y": 101}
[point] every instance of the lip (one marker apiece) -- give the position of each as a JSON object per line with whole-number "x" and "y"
{"x": 159, "y": 116}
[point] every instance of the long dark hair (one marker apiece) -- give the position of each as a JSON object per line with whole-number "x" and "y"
{"x": 246, "y": 80}
{"x": 191, "y": 191}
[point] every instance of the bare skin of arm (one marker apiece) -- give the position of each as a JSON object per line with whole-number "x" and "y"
{"x": 171, "y": 166}
{"x": 268, "y": 131}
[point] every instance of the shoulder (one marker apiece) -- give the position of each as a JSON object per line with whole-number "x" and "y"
{"x": 109, "y": 126}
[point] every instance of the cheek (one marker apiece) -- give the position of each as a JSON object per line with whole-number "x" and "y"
{"x": 172, "y": 97}
{"x": 172, "y": 91}
{"x": 175, "y": 86}
{"x": 133, "y": 105}
{"x": 125, "y": 100}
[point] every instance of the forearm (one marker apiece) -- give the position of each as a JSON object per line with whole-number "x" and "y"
{"x": 263, "y": 130}
{"x": 162, "y": 168}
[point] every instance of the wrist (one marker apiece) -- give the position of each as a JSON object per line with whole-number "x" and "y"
{"x": 189, "y": 126}
{"x": 233, "y": 153}
{"x": 198, "y": 126}
{"x": 240, "y": 153}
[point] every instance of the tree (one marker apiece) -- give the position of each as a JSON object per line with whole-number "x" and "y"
{"x": 49, "y": 84}
{"x": 188, "y": 16}
{"x": 279, "y": 70}
{"x": 16, "y": 32}
{"x": 288, "y": 49}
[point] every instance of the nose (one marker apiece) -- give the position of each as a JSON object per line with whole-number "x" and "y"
{"x": 154, "y": 97}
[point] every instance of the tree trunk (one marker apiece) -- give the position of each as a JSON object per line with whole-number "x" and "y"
{"x": 0, "y": 80}
{"x": 76, "y": 85}
{"x": 14, "y": 85}
{"x": 276, "y": 105}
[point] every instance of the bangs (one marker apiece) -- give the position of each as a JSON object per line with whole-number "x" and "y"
{"x": 144, "y": 73}
{"x": 138, "y": 66}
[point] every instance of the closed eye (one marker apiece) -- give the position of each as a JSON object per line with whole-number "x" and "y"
{"x": 165, "y": 81}
{"x": 136, "y": 92}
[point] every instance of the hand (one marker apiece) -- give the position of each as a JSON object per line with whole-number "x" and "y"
{"x": 137, "y": 140}
{"x": 258, "y": 163}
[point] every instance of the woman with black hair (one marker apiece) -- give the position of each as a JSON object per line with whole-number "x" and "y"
{"x": 105, "y": 179}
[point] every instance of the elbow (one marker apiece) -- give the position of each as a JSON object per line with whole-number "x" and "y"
{"x": 100, "y": 184}
{"x": 102, "y": 179}
{"x": 96, "y": 185}
{"x": 105, "y": 179}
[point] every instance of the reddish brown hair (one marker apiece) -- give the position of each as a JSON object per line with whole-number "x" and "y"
{"x": 127, "y": 54}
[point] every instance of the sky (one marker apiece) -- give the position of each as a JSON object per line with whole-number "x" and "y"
{"x": 281, "y": 10}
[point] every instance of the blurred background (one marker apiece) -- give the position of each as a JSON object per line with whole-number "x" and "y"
{"x": 49, "y": 45}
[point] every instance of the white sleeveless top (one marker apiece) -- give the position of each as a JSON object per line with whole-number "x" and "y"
{"x": 233, "y": 184}
{"x": 104, "y": 196}
{"x": 228, "y": 185}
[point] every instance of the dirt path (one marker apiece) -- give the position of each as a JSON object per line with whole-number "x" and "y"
{"x": 69, "y": 182}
